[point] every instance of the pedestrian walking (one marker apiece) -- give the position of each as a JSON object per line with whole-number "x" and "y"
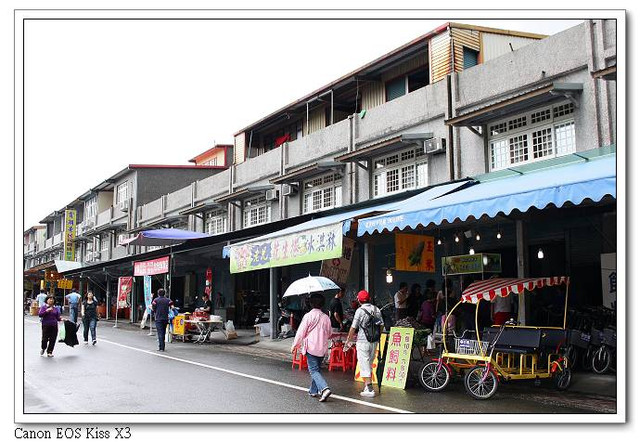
{"x": 89, "y": 318}
{"x": 312, "y": 340}
{"x": 50, "y": 316}
{"x": 161, "y": 306}
{"x": 367, "y": 324}
{"x": 42, "y": 298}
{"x": 73, "y": 299}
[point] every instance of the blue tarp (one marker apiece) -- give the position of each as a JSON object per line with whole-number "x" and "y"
{"x": 573, "y": 183}
{"x": 163, "y": 237}
{"x": 347, "y": 217}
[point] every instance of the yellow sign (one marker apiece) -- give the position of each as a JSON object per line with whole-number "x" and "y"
{"x": 415, "y": 253}
{"x": 374, "y": 377}
{"x": 66, "y": 284}
{"x": 69, "y": 235}
{"x": 396, "y": 366}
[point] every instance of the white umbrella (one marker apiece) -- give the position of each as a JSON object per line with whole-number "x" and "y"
{"x": 310, "y": 284}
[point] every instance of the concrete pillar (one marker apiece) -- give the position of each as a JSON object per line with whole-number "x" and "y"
{"x": 368, "y": 268}
{"x": 273, "y": 301}
{"x": 522, "y": 252}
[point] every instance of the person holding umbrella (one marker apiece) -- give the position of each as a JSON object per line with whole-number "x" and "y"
{"x": 311, "y": 339}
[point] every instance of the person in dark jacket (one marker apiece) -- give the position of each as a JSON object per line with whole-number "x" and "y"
{"x": 89, "y": 318}
{"x": 50, "y": 317}
{"x": 161, "y": 306}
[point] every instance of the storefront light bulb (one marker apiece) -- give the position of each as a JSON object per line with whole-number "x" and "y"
{"x": 485, "y": 260}
{"x": 477, "y": 237}
{"x": 439, "y": 242}
{"x": 499, "y": 235}
{"x": 471, "y": 251}
{"x": 540, "y": 254}
{"x": 456, "y": 238}
{"x": 389, "y": 277}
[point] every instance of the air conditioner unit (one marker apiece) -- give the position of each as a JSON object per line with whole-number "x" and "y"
{"x": 435, "y": 145}
{"x": 123, "y": 206}
{"x": 271, "y": 195}
{"x": 289, "y": 190}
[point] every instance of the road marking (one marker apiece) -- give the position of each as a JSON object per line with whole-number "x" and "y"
{"x": 257, "y": 378}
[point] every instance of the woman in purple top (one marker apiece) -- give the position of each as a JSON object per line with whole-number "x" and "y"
{"x": 50, "y": 317}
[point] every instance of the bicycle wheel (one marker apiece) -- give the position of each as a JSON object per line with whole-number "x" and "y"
{"x": 571, "y": 353}
{"x": 433, "y": 378}
{"x": 479, "y": 385}
{"x": 562, "y": 379}
{"x": 601, "y": 360}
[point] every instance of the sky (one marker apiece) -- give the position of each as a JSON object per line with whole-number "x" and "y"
{"x": 100, "y": 95}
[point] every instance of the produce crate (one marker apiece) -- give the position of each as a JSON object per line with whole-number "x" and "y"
{"x": 471, "y": 347}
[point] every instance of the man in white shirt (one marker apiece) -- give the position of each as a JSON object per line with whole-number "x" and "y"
{"x": 41, "y": 298}
{"x": 73, "y": 299}
{"x": 400, "y": 300}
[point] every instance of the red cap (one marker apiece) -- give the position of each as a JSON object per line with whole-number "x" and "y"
{"x": 363, "y": 296}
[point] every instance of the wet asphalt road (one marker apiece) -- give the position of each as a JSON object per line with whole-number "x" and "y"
{"x": 124, "y": 374}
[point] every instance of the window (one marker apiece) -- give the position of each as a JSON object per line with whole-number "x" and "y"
{"x": 89, "y": 251}
{"x": 104, "y": 243}
{"x": 396, "y": 88}
{"x": 540, "y": 134}
{"x": 321, "y": 193}
{"x": 216, "y": 222}
{"x": 122, "y": 237}
{"x": 404, "y": 170}
{"x": 212, "y": 162}
{"x": 256, "y": 211}
{"x": 90, "y": 208}
{"x": 418, "y": 79}
{"x": 469, "y": 57}
{"x": 122, "y": 192}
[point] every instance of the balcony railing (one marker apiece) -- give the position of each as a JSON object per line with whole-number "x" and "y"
{"x": 104, "y": 218}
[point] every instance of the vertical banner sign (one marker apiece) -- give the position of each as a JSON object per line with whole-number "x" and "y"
{"x": 337, "y": 269}
{"x": 124, "y": 288}
{"x": 414, "y": 253}
{"x": 609, "y": 280}
{"x": 379, "y": 350}
{"x": 208, "y": 281}
{"x": 69, "y": 235}
{"x": 147, "y": 291}
{"x": 396, "y": 366}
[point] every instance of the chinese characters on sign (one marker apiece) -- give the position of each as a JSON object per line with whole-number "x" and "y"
{"x": 69, "y": 235}
{"x": 414, "y": 253}
{"x": 396, "y": 366}
{"x": 152, "y": 267}
{"x": 337, "y": 269}
{"x": 65, "y": 284}
{"x": 465, "y": 264}
{"x": 307, "y": 246}
{"x": 125, "y": 283}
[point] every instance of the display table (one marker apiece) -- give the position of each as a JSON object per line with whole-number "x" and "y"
{"x": 204, "y": 328}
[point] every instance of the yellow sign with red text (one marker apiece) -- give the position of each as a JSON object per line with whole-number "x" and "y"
{"x": 396, "y": 365}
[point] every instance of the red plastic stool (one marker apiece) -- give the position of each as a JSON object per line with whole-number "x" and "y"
{"x": 350, "y": 356}
{"x": 337, "y": 358}
{"x": 301, "y": 361}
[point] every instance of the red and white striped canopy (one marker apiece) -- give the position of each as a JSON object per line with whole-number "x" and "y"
{"x": 490, "y": 288}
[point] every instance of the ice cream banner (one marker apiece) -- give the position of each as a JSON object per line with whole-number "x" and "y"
{"x": 125, "y": 283}
{"x": 396, "y": 365}
{"x": 296, "y": 248}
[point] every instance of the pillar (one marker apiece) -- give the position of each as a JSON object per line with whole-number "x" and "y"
{"x": 273, "y": 301}
{"x": 522, "y": 252}
{"x": 369, "y": 269}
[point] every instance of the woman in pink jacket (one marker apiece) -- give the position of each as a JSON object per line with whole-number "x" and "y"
{"x": 312, "y": 339}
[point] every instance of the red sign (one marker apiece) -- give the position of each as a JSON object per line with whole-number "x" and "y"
{"x": 153, "y": 267}
{"x": 125, "y": 283}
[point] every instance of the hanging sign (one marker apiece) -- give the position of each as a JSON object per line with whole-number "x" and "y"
{"x": 65, "y": 284}
{"x": 208, "y": 281}
{"x": 306, "y": 246}
{"x": 396, "y": 366}
{"x": 125, "y": 283}
{"x": 477, "y": 263}
{"x": 337, "y": 269}
{"x": 147, "y": 291}
{"x": 374, "y": 365}
{"x": 609, "y": 279}
{"x": 69, "y": 235}
{"x": 414, "y": 253}
{"x": 152, "y": 267}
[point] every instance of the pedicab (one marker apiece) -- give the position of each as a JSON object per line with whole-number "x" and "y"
{"x": 506, "y": 352}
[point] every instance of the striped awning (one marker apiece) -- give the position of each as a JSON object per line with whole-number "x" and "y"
{"x": 490, "y": 288}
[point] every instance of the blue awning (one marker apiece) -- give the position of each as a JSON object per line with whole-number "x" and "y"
{"x": 162, "y": 237}
{"x": 346, "y": 218}
{"x": 593, "y": 180}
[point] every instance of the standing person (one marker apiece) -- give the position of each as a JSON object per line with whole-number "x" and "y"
{"x": 336, "y": 313}
{"x": 365, "y": 349}
{"x": 42, "y": 298}
{"x": 311, "y": 339}
{"x": 400, "y": 301}
{"x": 73, "y": 299}
{"x": 89, "y": 318}
{"x": 427, "y": 313}
{"x": 501, "y": 309}
{"x": 50, "y": 317}
{"x": 161, "y": 306}
{"x": 413, "y": 302}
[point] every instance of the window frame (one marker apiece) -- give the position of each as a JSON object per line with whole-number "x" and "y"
{"x": 387, "y": 166}
{"x": 215, "y": 218}
{"x": 120, "y": 186}
{"x": 318, "y": 185}
{"x": 253, "y": 208}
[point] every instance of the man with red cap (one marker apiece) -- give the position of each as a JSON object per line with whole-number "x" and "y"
{"x": 365, "y": 349}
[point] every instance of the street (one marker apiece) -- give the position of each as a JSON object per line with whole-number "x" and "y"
{"x": 124, "y": 374}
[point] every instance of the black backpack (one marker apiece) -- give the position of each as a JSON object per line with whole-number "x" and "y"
{"x": 372, "y": 328}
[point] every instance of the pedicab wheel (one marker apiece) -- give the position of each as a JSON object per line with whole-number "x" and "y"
{"x": 601, "y": 360}
{"x": 480, "y": 386}
{"x": 562, "y": 379}
{"x": 571, "y": 354}
{"x": 433, "y": 378}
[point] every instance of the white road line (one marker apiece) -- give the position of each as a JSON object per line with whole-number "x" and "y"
{"x": 257, "y": 378}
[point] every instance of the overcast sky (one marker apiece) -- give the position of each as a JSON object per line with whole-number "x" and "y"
{"x": 100, "y": 95}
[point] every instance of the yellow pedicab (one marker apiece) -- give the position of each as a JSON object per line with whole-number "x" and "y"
{"x": 507, "y": 352}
